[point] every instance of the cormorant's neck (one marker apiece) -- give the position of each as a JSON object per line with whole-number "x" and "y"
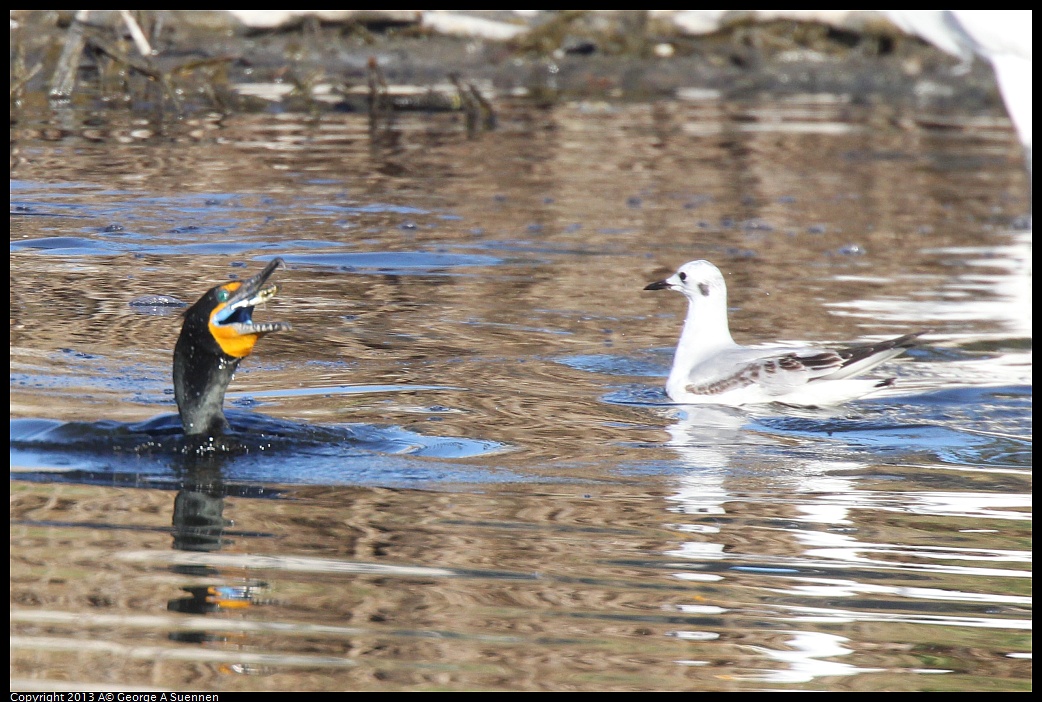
{"x": 202, "y": 372}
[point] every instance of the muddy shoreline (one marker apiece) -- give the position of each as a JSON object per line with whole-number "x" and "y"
{"x": 201, "y": 62}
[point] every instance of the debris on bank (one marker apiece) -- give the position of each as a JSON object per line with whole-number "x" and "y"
{"x": 466, "y": 61}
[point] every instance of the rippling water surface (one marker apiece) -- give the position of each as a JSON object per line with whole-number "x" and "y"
{"x": 475, "y": 479}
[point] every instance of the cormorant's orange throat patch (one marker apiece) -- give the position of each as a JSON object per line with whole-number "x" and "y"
{"x": 232, "y": 342}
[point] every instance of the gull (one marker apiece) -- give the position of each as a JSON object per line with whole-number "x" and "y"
{"x": 1002, "y": 37}
{"x": 710, "y": 368}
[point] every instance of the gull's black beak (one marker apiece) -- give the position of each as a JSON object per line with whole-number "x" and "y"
{"x": 657, "y": 285}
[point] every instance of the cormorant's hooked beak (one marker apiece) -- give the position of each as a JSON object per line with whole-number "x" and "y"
{"x": 231, "y": 321}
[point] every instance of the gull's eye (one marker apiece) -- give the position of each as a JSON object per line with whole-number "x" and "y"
{"x": 223, "y": 295}
{"x": 682, "y": 275}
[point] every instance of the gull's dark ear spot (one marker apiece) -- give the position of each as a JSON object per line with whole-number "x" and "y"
{"x": 704, "y": 289}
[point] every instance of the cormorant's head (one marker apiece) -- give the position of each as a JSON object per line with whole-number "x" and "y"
{"x": 230, "y": 318}
{"x": 217, "y": 333}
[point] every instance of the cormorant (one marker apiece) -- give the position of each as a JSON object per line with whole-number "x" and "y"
{"x": 217, "y": 333}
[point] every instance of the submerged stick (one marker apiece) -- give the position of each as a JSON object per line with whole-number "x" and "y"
{"x": 140, "y": 41}
{"x": 64, "y": 80}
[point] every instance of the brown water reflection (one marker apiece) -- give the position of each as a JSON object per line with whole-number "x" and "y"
{"x": 596, "y": 594}
{"x": 611, "y": 544}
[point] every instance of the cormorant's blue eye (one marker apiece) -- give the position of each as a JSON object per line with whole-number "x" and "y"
{"x": 222, "y": 295}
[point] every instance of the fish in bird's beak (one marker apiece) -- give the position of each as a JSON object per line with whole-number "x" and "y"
{"x": 231, "y": 321}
